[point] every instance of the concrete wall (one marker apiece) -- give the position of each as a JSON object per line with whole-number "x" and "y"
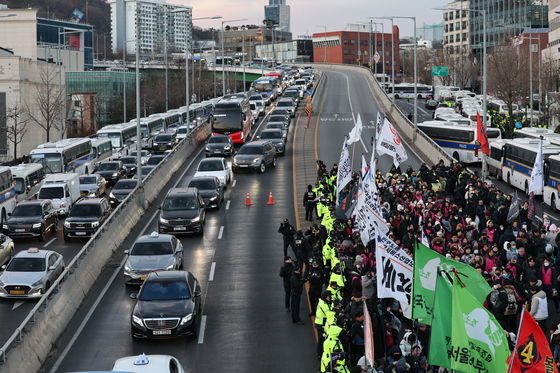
{"x": 39, "y": 339}
{"x": 18, "y": 31}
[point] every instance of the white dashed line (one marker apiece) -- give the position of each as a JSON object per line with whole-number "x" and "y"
{"x": 221, "y": 232}
{"x": 234, "y": 182}
{"x": 202, "y": 329}
{"x": 51, "y": 241}
{"x": 212, "y": 270}
{"x": 227, "y": 204}
{"x": 17, "y": 304}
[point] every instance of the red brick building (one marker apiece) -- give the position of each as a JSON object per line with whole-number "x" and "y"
{"x": 342, "y": 47}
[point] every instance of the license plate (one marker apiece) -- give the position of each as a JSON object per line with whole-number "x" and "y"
{"x": 80, "y": 233}
{"x": 162, "y": 332}
{"x": 180, "y": 229}
{"x": 20, "y": 230}
{"x": 216, "y": 151}
{"x": 142, "y": 278}
{"x": 17, "y": 292}
{"x": 243, "y": 165}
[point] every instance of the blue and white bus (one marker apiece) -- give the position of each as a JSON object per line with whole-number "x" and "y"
{"x": 64, "y": 156}
{"x": 458, "y": 140}
{"x": 102, "y": 149}
{"x": 170, "y": 119}
{"x": 122, "y": 136}
{"x": 268, "y": 85}
{"x": 518, "y": 160}
{"x": 7, "y": 194}
{"x": 28, "y": 178}
{"x": 406, "y": 90}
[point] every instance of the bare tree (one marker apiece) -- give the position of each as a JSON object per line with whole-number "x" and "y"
{"x": 49, "y": 101}
{"x": 17, "y": 130}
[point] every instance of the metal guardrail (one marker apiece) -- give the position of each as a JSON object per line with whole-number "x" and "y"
{"x": 18, "y": 334}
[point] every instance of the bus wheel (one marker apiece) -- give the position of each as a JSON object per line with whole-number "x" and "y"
{"x": 508, "y": 179}
{"x": 456, "y": 156}
{"x": 526, "y": 188}
{"x": 3, "y": 218}
{"x": 553, "y": 203}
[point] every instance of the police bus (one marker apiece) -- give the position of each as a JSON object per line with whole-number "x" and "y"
{"x": 532, "y": 132}
{"x": 7, "y": 194}
{"x": 494, "y": 160}
{"x": 406, "y": 90}
{"x": 518, "y": 160}
{"x": 101, "y": 148}
{"x": 458, "y": 140}
{"x": 122, "y": 136}
{"x": 552, "y": 182}
{"x": 64, "y": 156}
{"x": 27, "y": 179}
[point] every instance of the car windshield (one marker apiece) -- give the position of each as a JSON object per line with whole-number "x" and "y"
{"x": 26, "y": 265}
{"x": 152, "y": 248}
{"x": 20, "y": 185}
{"x": 146, "y": 170}
{"x": 85, "y": 209}
{"x": 277, "y": 118}
{"x": 271, "y": 135}
{"x": 88, "y": 180}
{"x": 163, "y": 138}
{"x": 128, "y": 160}
{"x": 164, "y": 290}
{"x": 279, "y": 126}
{"x": 203, "y": 184}
{"x": 225, "y": 119}
{"x": 125, "y": 184}
{"x": 22, "y": 211}
{"x": 142, "y": 154}
{"x": 182, "y": 130}
{"x": 51, "y": 192}
{"x": 154, "y": 160}
{"x": 218, "y": 140}
{"x": 108, "y": 167}
{"x": 250, "y": 150}
{"x": 175, "y": 203}
{"x": 211, "y": 165}
{"x": 284, "y": 103}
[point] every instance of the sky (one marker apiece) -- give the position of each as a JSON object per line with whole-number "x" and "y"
{"x": 309, "y": 16}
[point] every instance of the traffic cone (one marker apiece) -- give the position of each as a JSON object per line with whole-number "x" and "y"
{"x": 248, "y": 200}
{"x": 270, "y": 199}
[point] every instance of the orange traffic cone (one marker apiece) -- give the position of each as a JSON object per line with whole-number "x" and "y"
{"x": 270, "y": 199}
{"x": 248, "y": 200}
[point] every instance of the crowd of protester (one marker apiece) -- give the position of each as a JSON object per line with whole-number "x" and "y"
{"x": 462, "y": 217}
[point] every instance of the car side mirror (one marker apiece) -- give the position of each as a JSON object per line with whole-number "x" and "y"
{"x": 126, "y": 252}
{"x": 258, "y": 137}
{"x": 52, "y": 268}
{"x": 133, "y": 295}
{"x": 197, "y": 293}
{"x": 179, "y": 250}
{"x": 3, "y": 267}
{"x": 9, "y": 214}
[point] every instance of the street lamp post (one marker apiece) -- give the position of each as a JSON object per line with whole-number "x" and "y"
{"x": 531, "y": 73}
{"x": 223, "y": 53}
{"x": 392, "y": 52}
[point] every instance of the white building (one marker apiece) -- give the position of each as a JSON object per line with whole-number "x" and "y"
{"x": 456, "y": 26}
{"x": 156, "y": 19}
{"x": 553, "y": 50}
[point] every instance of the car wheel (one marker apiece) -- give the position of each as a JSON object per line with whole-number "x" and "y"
{"x": 274, "y": 162}
{"x": 262, "y": 168}
{"x": 553, "y": 203}
{"x": 526, "y": 188}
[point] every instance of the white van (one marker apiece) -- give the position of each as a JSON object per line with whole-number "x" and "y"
{"x": 62, "y": 189}
{"x": 28, "y": 178}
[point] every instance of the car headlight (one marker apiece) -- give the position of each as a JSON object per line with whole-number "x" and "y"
{"x": 213, "y": 198}
{"x": 36, "y": 225}
{"x": 164, "y": 221}
{"x": 136, "y": 320}
{"x": 95, "y": 224}
{"x": 235, "y": 162}
{"x": 67, "y": 224}
{"x": 5, "y": 226}
{"x": 227, "y": 147}
{"x": 62, "y": 204}
{"x": 37, "y": 283}
{"x": 207, "y": 148}
{"x": 115, "y": 174}
{"x": 256, "y": 160}
{"x": 111, "y": 195}
{"x": 127, "y": 267}
{"x": 196, "y": 220}
{"x": 186, "y": 319}
{"x": 170, "y": 267}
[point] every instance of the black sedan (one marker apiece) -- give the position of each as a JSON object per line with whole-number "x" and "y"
{"x": 219, "y": 145}
{"x": 168, "y": 305}
{"x": 210, "y": 189}
{"x": 121, "y": 190}
{"x": 112, "y": 171}
{"x": 431, "y": 104}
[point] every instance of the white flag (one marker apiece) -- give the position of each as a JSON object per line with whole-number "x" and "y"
{"x": 537, "y": 174}
{"x": 394, "y": 272}
{"x": 356, "y": 133}
{"x": 368, "y": 336}
{"x": 365, "y": 167}
{"x": 423, "y": 237}
{"x": 344, "y": 170}
{"x": 389, "y": 142}
{"x": 368, "y": 219}
{"x": 378, "y": 123}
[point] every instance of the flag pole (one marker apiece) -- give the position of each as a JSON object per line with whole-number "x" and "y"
{"x": 510, "y": 365}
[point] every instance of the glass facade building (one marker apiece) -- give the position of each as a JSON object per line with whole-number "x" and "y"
{"x": 107, "y": 85}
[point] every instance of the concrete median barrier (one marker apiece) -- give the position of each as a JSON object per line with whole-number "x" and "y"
{"x": 27, "y": 349}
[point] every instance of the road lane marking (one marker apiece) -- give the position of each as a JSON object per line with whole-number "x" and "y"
{"x": 352, "y": 110}
{"x": 109, "y": 283}
{"x": 17, "y": 304}
{"x": 51, "y": 241}
{"x": 202, "y": 329}
{"x": 234, "y": 182}
{"x": 227, "y": 204}
{"x": 212, "y": 270}
{"x": 221, "y": 232}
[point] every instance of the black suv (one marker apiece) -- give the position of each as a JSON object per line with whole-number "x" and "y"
{"x": 168, "y": 305}
{"x": 255, "y": 155}
{"x": 121, "y": 190}
{"x": 31, "y": 219}
{"x": 182, "y": 211}
{"x": 164, "y": 141}
{"x": 86, "y": 217}
{"x": 112, "y": 171}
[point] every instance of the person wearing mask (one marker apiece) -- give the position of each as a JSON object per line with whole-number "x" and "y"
{"x": 309, "y": 202}
{"x": 296, "y": 287}
{"x": 539, "y": 306}
{"x": 317, "y": 278}
{"x": 287, "y": 231}
{"x": 300, "y": 248}
{"x": 286, "y": 274}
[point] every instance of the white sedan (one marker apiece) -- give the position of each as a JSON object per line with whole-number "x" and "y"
{"x": 148, "y": 364}
{"x": 217, "y": 167}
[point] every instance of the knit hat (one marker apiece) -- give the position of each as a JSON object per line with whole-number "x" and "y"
{"x": 358, "y": 260}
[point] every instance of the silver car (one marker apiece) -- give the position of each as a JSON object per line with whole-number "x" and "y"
{"x": 287, "y": 103}
{"x": 30, "y": 273}
{"x": 93, "y": 185}
{"x": 276, "y": 137}
{"x": 7, "y": 250}
{"x": 154, "y": 252}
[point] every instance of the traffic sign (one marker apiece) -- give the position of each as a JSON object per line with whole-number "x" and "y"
{"x": 440, "y": 71}
{"x": 376, "y": 57}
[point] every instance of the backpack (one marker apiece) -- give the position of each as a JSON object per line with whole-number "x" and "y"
{"x": 512, "y": 306}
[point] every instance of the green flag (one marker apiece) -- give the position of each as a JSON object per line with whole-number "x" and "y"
{"x": 478, "y": 342}
{"x": 440, "y": 338}
{"x": 426, "y": 263}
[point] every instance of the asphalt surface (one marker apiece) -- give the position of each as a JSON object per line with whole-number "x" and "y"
{"x": 237, "y": 262}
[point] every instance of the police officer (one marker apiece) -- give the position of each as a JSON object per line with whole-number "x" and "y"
{"x": 309, "y": 202}
{"x": 286, "y": 274}
{"x": 296, "y": 285}
{"x": 287, "y": 231}
{"x": 300, "y": 248}
{"x": 317, "y": 277}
